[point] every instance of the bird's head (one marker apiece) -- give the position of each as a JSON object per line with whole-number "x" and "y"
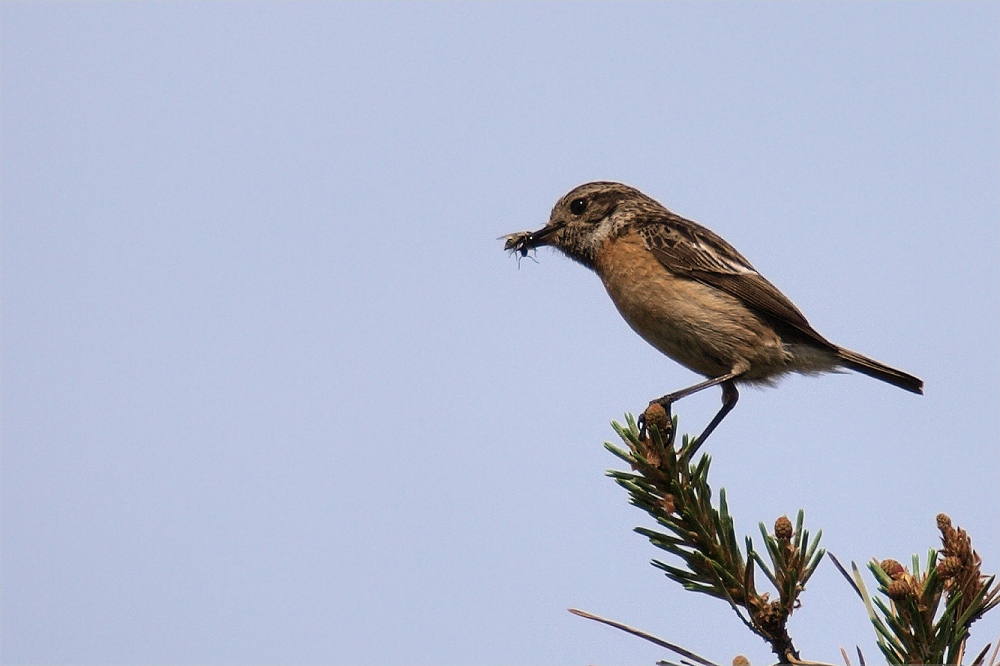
{"x": 584, "y": 219}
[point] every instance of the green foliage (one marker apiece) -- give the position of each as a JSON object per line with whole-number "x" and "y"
{"x": 920, "y": 616}
{"x": 675, "y": 492}
{"x": 925, "y": 616}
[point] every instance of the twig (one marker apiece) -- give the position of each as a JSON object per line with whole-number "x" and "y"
{"x": 642, "y": 634}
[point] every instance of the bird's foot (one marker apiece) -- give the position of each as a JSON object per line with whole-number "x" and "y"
{"x": 657, "y": 414}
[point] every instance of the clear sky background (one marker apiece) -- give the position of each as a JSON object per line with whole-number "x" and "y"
{"x": 273, "y": 393}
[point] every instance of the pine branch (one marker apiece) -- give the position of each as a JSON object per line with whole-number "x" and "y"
{"x": 919, "y": 616}
{"x": 910, "y": 624}
{"x": 674, "y": 491}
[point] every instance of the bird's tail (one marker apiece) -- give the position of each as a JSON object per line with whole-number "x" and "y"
{"x": 873, "y": 368}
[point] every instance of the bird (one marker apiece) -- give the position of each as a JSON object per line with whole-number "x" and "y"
{"x": 692, "y": 296}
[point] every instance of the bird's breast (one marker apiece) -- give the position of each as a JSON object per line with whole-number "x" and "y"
{"x": 701, "y": 327}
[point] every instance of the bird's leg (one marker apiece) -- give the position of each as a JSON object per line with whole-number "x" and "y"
{"x": 729, "y": 397}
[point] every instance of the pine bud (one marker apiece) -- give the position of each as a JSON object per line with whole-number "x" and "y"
{"x": 892, "y": 568}
{"x": 898, "y": 589}
{"x": 948, "y": 567}
{"x": 656, "y": 415}
{"x": 740, "y": 660}
{"x": 783, "y": 528}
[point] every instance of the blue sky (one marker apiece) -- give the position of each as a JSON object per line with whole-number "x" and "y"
{"x": 273, "y": 393}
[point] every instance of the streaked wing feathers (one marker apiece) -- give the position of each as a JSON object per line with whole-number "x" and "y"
{"x": 691, "y": 245}
{"x": 687, "y": 248}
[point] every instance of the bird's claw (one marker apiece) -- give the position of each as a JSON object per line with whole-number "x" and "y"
{"x": 658, "y": 414}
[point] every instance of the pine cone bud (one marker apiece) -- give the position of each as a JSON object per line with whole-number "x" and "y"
{"x": 740, "y": 660}
{"x": 892, "y": 568}
{"x": 948, "y": 567}
{"x": 898, "y": 589}
{"x": 783, "y": 528}
{"x": 656, "y": 415}
{"x": 943, "y": 521}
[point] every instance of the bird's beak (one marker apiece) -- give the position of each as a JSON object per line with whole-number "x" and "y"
{"x": 529, "y": 240}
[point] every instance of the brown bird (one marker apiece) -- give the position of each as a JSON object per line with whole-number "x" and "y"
{"x": 691, "y": 295}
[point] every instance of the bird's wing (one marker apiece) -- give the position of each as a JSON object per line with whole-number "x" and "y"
{"x": 687, "y": 248}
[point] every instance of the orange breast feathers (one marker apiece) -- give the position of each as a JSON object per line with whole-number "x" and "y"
{"x": 701, "y": 327}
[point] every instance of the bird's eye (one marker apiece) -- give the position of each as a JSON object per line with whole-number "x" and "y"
{"x": 578, "y": 206}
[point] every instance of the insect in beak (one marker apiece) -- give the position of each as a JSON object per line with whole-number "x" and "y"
{"x": 523, "y": 241}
